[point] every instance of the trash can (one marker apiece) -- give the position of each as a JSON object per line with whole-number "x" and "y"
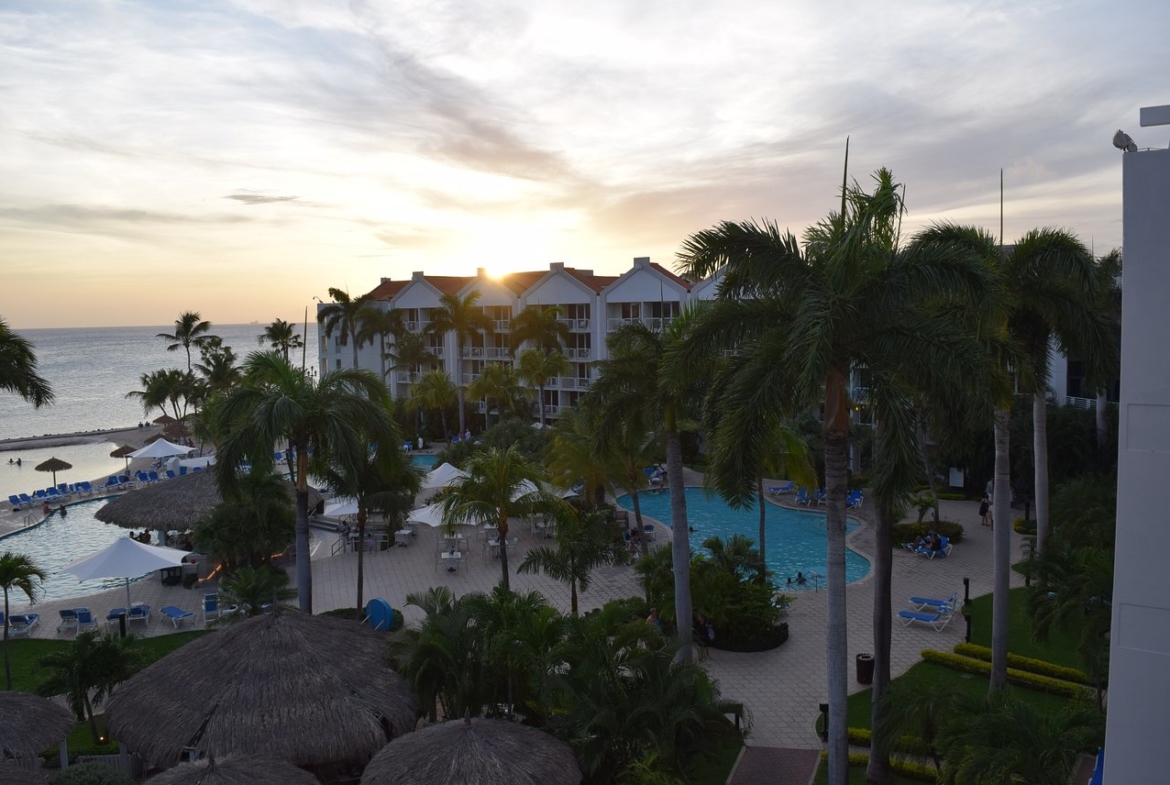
{"x": 865, "y": 668}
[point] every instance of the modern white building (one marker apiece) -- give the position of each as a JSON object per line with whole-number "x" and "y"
{"x": 592, "y": 306}
{"x": 1139, "y": 667}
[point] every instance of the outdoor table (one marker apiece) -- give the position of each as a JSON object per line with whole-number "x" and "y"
{"x": 451, "y": 560}
{"x": 402, "y": 537}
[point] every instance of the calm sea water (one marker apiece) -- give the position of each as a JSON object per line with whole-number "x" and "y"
{"x": 90, "y": 371}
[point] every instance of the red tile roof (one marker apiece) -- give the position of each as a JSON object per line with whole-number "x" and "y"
{"x": 680, "y": 281}
{"x": 594, "y": 282}
{"x": 386, "y": 290}
{"x": 522, "y": 281}
{"x": 449, "y": 284}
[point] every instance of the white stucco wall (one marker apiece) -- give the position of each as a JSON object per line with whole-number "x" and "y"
{"x": 1139, "y": 721}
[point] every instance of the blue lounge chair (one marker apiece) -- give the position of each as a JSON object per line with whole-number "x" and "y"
{"x": 778, "y": 490}
{"x": 943, "y": 551}
{"x": 25, "y": 500}
{"x": 125, "y": 482}
{"x": 68, "y": 620}
{"x": 211, "y": 609}
{"x": 935, "y": 620}
{"x": 171, "y": 475}
{"x": 854, "y": 499}
{"x": 51, "y": 494}
{"x": 182, "y": 471}
{"x": 63, "y": 489}
{"x": 176, "y": 615}
{"x": 922, "y": 603}
{"x": 153, "y": 476}
{"x": 23, "y": 624}
{"x": 85, "y": 620}
{"x": 142, "y": 477}
{"x": 86, "y": 487}
{"x": 16, "y": 503}
{"x": 821, "y": 497}
{"x": 139, "y": 611}
{"x": 111, "y": 482}
{"x": 41, "y": 496}
{"x": 114, "y": 615}
{"x": 802, "y": 497}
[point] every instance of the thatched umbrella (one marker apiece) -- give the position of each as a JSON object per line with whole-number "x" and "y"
{"x": 54, "y": 465}
{"x": 14, "y": 775}
{"x": 124, "y": 452}
{"x": 175, "y": 504}
{"x": 234, "y": 770}
{"x": 311, "y": 690}
{"x": 29, "y": 724}
{"x": 474, "y": 750}
{"x": 177, "y": 430}
{"x": 166, "y": 419}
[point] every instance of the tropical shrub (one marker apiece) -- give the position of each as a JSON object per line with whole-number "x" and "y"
{"x": 1029, "y": 664}
{"x": 908, "y": 532}
{"x": 93, "y": 773}
{"x": 1015, "y": 676}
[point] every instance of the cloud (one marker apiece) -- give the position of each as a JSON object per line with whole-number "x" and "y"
{"x": 252, "y": 197}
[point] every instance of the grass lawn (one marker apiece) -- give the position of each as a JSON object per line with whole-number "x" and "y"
{"x": 926, "y": 676}
{"x": 24, "y": 653}
{"x": 716, "y": 767}
{"x": 1059, "y": 649}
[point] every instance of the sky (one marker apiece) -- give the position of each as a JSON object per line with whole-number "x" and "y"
{"x": 239, "y": 157}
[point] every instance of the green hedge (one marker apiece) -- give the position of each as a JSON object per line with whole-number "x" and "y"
{"x": 909, "y": 745}
{"x": 1022, "y": 526}
{"x": 1029, "y": 664}
{"x": 908, "y": 532}
{"x": 1019, "y": 677}
{"x": 913, "y": 771}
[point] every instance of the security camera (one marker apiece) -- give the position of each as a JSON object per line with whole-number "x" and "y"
{"x": 1123, "y": 142}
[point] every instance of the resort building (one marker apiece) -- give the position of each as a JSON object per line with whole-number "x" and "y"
{"x": 592, "y": 306}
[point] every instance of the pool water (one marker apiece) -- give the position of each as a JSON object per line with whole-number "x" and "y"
{"x": 426, "y": 461}
{"x": 796, "y": 538}
{"x": 60, "y": 541}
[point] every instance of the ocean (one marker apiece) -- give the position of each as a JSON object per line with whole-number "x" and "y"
{"x": 90, "y": 371}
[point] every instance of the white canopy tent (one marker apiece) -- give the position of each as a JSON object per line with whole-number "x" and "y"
{"x": 441, "y": 476}
{"x": 161, "y": 449}
{"x": 126, "y": 558}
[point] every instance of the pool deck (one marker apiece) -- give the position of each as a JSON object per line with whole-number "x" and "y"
{"x": 781, "y": 688}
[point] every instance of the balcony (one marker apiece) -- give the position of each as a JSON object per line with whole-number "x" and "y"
{"x": 417, "y": 326}
{"x": 574, "y": 383}
{"x": 406, "y": 377}
{"x": 656, "y": 323}
{"x": 502, "y": 325}
{"x": 574, "y": 353}
{"x": 551, "y": 410}
{"x": 472, "y": 351}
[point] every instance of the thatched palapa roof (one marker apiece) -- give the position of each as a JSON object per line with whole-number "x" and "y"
{"x": 174, "y": 504}
{"x": 307, "y": 689}
{"x": 235, "y": 770}
{"x": 29, "y": 724}
{"x": 474, "y": 750}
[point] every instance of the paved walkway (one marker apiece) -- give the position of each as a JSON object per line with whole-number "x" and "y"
{"x": 781, "y": 688}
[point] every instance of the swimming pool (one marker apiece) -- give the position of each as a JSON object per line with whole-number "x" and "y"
{"x": 796, "y": 538}
{"x": 59, "y": 541}
{"x": 425, "y": 460}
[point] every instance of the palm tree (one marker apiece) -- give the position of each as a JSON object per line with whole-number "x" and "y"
{"x": 571, "y": 455}
{"x": 1049, "y": 287}
{"x": 582, "y": 545}
{"x": 376, "y": 323}
{"x": 498, "y": 383}
{"x": 433, "y": 391}
{"x": 343, "y": 316}
{"x": 252, "y": 522}
{"x": 282, "y": 335}
{"x": 17, "y": 571}
{"x": 166, "y": 386}
{"x": 411, "y": 352}
{"x": 219, "y": 367}
{"x": 385, "y": 483}
{"x": 538, "y": 366}
{"x": 640, "y": 381}
{"x": 331, "y": 420}
{"x": 190, "y": 330}
{"x": 806, "y": 316}
{"x": 540, "y": 325}
{"x": 461, "y": 316}
{"x": 500, "y": 485}
{"x": 18, "y": 369}
{"x": 87, "y": 671}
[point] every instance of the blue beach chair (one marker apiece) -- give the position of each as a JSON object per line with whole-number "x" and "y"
{"x": 175, "y": 614}
{"x": 936, "y": 620}
{"x": 68, "y": 620}
{"x": 23, "y": 624}
{"x": 25, "y": 500}
{"x": 16, "y": 503}
{"x": 922, "y": 603}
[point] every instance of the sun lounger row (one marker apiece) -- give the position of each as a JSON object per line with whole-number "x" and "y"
{"x": 936, "y": 613}
{"x": 933, "y": 546}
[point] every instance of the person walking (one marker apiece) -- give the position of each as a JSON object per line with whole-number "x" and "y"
{"x": 985, "y": 510}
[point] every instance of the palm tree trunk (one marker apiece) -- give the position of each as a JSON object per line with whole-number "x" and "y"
{"x": 459, "y": 390}
{"x": 7, "y": 664}
{"x": 304, "y": 568}
{"x": 680, "y": 543}
{"x": 878, "y": 771}
{"x": 763, "y": 519}
{"x": 1040, "y": 458}
{"x": 1002, "y": 539}
{"x": 836, "y": 430}
{"x": 927, "y": 464}
{"x": 93, "y": 728}
{"x": 382, "y": 356}
{"x": 354, "y": 341}
{"x": 502, "y": 534}
{"x": 540, "y": 405}
{"x": 361, "y": 556}
{"x": 573, "y": 596}
{"x": 1102, "y": 423}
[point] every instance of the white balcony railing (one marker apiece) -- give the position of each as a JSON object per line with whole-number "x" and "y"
{"x": 502, "y": 325}
{"x": 472, "y": 351}
{"x": 656, "y": 323}
{"x": 577, "y": 353}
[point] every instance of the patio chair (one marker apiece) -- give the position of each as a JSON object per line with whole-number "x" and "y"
{"x": 779, "y": 490}
{"x": 802, "y": 497}
{"x": 152, "y": 475}
{"x": 935, "y": 620}
{"x": 26, "y": 500}
{"x": 171, "y": 475}
{"x": 86, "y": 487}
{"x": 175, "y": 614}
{"x": 113, "y": 616}
{"x": 85, "y": 620}
{"x": 211, "y": 610}
{"x": 854, "y": 499}
{"x": 922, "y": 603}
{"x": 68, "y": 620}
{"x": 15, "y": 502}
{"x": 23, "y": 624}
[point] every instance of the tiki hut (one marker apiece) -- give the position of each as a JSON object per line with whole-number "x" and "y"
{"x": 311, "y": 690}
{"x": 474, "y": 750}
{"x": 166, "y": 419}
{"x": 234, "y": 770}
{"x": 54, "y": 465}
{"x": 175, "y": 504}
{"x": 29, "y": 724}
{"x": 124, "y": 452}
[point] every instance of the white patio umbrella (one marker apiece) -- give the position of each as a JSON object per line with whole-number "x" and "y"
{"x": 441, "y": 476}
{"x": 161, "y": 449}
{"x": 341, "y": 506}
{"x": 126, "y": 558}
{"x": 431, "y": 515}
